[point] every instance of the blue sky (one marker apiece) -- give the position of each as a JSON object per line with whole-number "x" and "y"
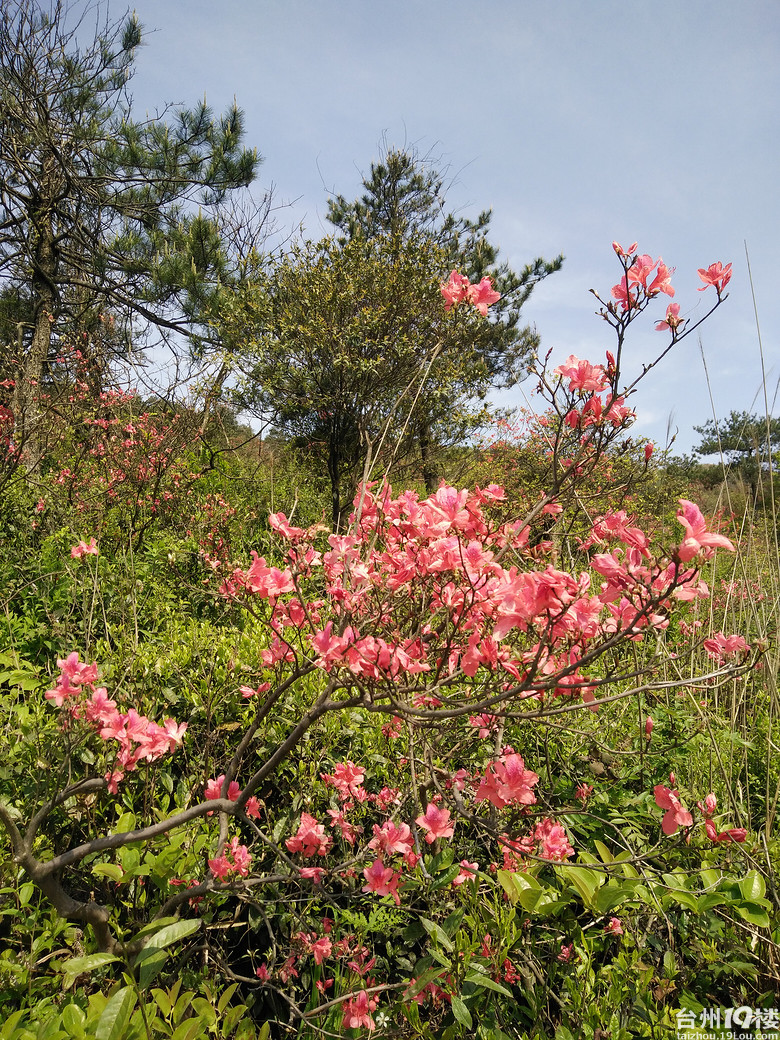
{"x": 577, "y": 122}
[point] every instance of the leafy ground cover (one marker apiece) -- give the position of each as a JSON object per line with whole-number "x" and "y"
{"x": 495, "y": 761}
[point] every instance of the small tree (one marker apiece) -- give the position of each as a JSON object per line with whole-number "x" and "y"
{"x": 748, "y": 443}
{"x": 349, "y": 339}
{"x": 404, "y": 199}
{"x": 96, "y": 208}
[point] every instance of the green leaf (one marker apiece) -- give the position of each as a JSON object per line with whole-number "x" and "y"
{"x": 171, "y": 933}
{"x": 78, "y": 965}
{"x": 460, "y": 1012}
{"x": 612, "y": 895}
{"x": 73, "y": 1018}
{"x": 116, "y": 1015}
{"x": 109, "y": 870}
{"x": 429, "y": 975}
{"x": 437, "y": 933}
{"x": 585, "y": 881}
{"x": 753, "y": 886}
{"x": 603, "y": 851}
{"x": 125, "y": 823}
{"x": 224, "y": 1000}
{"x": 753, "y": 914}
{"x": 155, "y": 926}
{"x": 9, "y": 1026}
{"x": 447, "y": 878}
{"x": 150, "y": 962}
{"x": 485, "y": 982}
{"x": 189, "y": 1030}
{"x": 163, "y": 1003}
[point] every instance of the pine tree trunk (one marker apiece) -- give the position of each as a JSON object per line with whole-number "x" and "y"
{"x": 28, "y": 419}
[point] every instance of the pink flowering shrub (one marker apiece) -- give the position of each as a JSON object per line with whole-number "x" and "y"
{"x": 374, "y": 745}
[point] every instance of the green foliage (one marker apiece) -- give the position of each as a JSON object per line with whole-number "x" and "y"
{"x": 345, "y": 341}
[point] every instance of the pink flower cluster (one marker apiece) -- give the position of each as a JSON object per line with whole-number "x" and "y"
{"x": 460, "y": 290}
{"x": 506, "y": 782}
{"x": 585, "y": 378}
{"x": 84, "y": 549}
{"x": 137, "y": 737}
{"x": 677, "y": 816}
{"x": 720, "y": 647}
{"x": 638, "y": 281}
{"x": 235, "y": 861}
{"x": 213, "y": 789}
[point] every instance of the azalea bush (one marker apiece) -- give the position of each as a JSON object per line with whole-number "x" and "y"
{"x": 416, "y": 776}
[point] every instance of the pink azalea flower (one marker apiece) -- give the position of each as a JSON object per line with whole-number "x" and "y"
{"x": 310, "y": 838}
{"x": 84, "y": 549}
{"x": 436, "y": 822}
{"x": 615, "y": 926}
{"x": 582, "y": 375}
{"x": 676, "y": 814}
{"x": 568, "y": 948}
{"x": 697, "y": 535}
{"x": 382, "y": 880}
{"x": 716, "y": 274}
{"x": 314, "y": 874}
{"x": 554, "y": 844}
{"x": 220, "y": 867}
{"x": 737, "y": 834}
{"x": 483, "y": 296}
{"x": 468, "y": 872}
{"x": 390, "y": 838}
{"x": 583, "y": 792}
{"x": 661, "y": 283}
{"x": 455, "y": 290}
{"x": 357, "y": 1012}
{"x": 624, "y": 252}
{"x": 321, "y": 949}
{"x": 672, "y": 319}
{"x": 720, "y": 646}
{"x": 709, "y": 806}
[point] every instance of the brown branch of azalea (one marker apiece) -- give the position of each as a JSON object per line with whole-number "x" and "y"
{"x": 206, "y": 887}
{"x": 82, "y": 787}
{"x": 233, "y": 766}
{"x": 433, "y": 716}
{"x": 322, "y": 1008}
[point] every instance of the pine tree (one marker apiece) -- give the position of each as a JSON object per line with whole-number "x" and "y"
{"x": 98, "y": 210}
{"x": 404, "y": 200}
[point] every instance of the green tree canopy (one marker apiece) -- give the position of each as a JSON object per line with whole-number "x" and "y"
{"x": 99, "y": 210}
{"x": 403, "y": 199}
{"x": 341, "y": 340}
{"x": 747, "y": 442}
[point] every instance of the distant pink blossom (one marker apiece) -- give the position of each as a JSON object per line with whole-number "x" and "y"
{"x": 614, "y": 926}
{"x": 720, "y": 646}
{"x": 84, "y": 549}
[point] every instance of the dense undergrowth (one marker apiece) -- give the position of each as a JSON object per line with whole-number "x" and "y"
{"x": 493, "y": 764}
